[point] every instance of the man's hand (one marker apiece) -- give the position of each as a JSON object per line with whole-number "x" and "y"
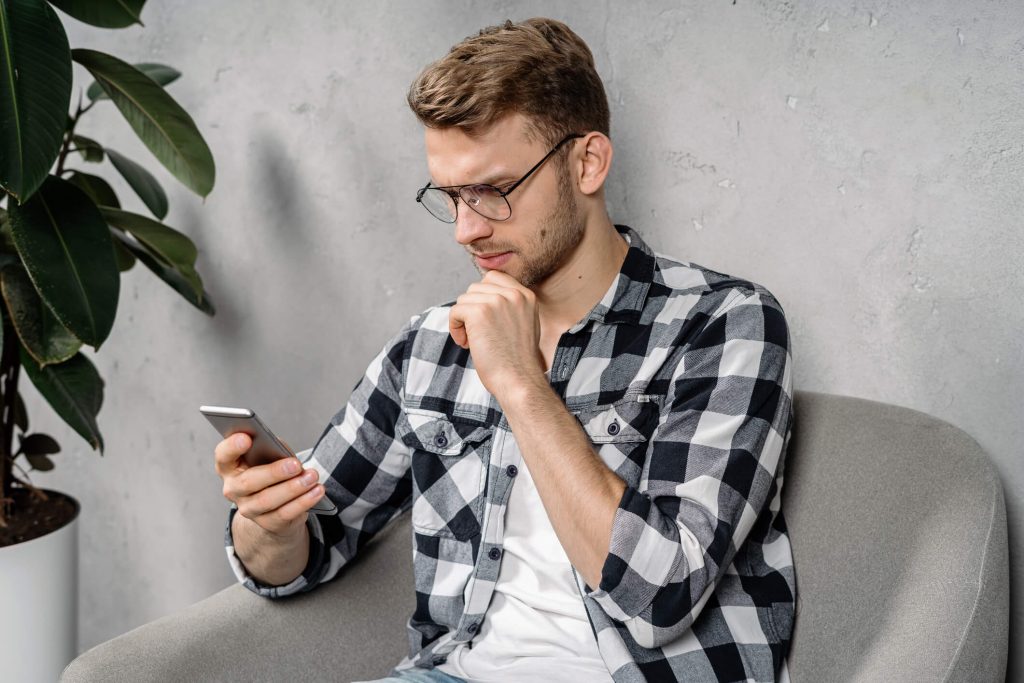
{"x": 498, "y": 321}
{"x": 277, "y": 496}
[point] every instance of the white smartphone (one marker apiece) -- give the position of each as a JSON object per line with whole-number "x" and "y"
{"x": 266, "y": 447}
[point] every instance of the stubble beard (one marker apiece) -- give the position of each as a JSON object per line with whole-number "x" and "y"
{"x": 560, "y": 233}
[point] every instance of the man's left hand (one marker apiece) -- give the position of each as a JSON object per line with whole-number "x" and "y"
{"x": 498, "y": 321}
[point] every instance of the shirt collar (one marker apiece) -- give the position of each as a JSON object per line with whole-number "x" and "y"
{"x": 624, "y": 300}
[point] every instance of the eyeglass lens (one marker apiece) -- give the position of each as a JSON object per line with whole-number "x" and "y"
{"x": 486, "y": 200}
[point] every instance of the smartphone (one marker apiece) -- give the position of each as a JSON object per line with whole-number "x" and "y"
{"x": 266, "y": 447}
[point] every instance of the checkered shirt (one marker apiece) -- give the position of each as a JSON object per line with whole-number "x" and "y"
{"x": 682, "y": 379}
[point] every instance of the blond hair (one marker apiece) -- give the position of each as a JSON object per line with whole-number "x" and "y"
{"x": 538, "y": 68}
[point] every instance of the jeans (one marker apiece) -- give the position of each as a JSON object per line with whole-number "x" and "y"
{"x": 417, "y": 675}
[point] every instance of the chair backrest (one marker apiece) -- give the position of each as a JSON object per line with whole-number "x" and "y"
{"x": 898, "y": 526}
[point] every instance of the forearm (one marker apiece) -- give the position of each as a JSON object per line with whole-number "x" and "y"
{"x": 271, "y": 560}
{"x": 579, "y": 492}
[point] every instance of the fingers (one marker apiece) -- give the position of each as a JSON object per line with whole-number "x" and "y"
{"x": 459, "y": 336}
{"x": 482, "y": 299}
{"x": 228, "y": 453}
{"x": 277, "y": 496}
{"x": 471, "y": 303}
{"x": 457, "y": 324}
{"x": 285, "y": 518}
{"x": 481, "y": 292}
{"x": 485, "y": 288}
{"x": 479, "y": 298}
{"x": 502, "y": 279}
{"x": 244, "y": 483}
{"x": 284, "y": 501}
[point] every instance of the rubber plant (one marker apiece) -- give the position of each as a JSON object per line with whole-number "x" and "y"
{"x": 64, "y": 238}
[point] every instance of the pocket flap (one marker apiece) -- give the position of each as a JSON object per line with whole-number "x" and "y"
{"x": 615, "y": 423}
{"x": 438, "y": 433}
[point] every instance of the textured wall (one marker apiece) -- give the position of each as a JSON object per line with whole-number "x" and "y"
{"x": 863, "y": 161}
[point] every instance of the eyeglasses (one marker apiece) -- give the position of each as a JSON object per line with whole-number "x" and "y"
{"x": 487, "y": 200}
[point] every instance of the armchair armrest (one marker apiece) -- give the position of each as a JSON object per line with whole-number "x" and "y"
{"x": 350, "y": 628}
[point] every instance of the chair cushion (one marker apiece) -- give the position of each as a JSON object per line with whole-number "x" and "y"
{"x": 898, "y": 526}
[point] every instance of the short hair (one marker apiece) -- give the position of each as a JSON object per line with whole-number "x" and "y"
{"x": 538, "y": 68}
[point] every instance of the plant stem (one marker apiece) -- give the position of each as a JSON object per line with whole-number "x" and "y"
{"x": 35, "y": 491}
{"x": 10, "y": 364}
{"x": 71, "y": 131}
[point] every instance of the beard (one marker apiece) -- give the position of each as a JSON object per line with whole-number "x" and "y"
{"x": 558, "y": 236}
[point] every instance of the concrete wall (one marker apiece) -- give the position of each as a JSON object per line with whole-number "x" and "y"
{"x": 863, "y": 161}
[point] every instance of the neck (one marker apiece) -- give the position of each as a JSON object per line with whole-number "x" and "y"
{"x": 570, "y": 293}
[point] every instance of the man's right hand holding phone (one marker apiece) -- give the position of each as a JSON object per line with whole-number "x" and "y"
{"x": 269, "y": 529}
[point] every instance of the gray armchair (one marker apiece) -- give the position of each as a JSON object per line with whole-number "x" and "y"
{"x": 898, "y": 526}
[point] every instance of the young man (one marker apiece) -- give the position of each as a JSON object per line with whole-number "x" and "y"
{"x": 591, "y": 438}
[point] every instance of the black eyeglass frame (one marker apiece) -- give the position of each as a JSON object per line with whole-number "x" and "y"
{"x": 503, "y": 194}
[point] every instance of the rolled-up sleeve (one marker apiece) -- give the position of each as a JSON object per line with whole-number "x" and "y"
{"x": 717, "y": 449}
{"x": 364, "y": 469}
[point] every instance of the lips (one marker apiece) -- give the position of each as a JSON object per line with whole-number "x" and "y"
{"x": 492, "y": 261}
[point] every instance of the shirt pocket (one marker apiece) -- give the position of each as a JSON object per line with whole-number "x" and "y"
{"x": 449, "y": 471}
{"x": 620, "y": 432}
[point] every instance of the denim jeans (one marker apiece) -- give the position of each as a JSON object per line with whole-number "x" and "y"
{"x": 417, "y": 675}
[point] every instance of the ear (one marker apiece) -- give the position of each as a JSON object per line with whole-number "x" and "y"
{"x": 595, "y": 156}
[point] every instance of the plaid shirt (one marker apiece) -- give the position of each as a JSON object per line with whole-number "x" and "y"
{"x": 682, "y": 378}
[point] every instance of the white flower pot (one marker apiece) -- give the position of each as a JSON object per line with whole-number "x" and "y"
{"x": 39, "y": 605}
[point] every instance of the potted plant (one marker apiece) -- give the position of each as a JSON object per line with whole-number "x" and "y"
{"x": 64, "y": 242}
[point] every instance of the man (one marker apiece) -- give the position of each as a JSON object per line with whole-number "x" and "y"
{"x": 590, "y": 439}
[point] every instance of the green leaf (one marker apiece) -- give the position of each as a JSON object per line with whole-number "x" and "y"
{"x": 140, "y": 180}
{"x": 159, "y": 121}
{"x": 65, "y": 245}
{"x": 75, "y": 391}
{"x": 164, "y": 242}
{"x": 161, "y": 73}
{"x": 89, "y": 148}
{"x": 35, "y": 91}
{"x": 39, "y": 444}
{"x": 40, "y": 462}
{"x": 179, "y": 281}
{"x": 167, "y": 252}
{"x": 40, "y": 332}
{"x": 125, "y": 259}
{"x": 104, "y": 13}
{"x": 98, "y": 189}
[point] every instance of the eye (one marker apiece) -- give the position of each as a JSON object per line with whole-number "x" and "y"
{"x": 480, "y": 195}
{"x": 484, "y": 192}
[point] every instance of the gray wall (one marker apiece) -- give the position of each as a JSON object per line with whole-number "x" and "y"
{"x": 862, "y": 160}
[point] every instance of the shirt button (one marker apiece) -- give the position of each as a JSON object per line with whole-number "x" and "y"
{"x": 494, "y": 553}
{"x": 511, "y": 470}
{"x": 613, "y": 428}
{"x": 565, "y": 370}
{"x": 472, "y": 628}
{"x": 441, "y": 440}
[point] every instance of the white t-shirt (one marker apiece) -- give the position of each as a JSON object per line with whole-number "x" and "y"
{"x": 536, "y": 624}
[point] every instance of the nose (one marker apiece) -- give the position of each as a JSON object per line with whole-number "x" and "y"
{"x": 470, "y": 226}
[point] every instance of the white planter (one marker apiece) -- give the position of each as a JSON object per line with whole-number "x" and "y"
{"x": 39, "y": 605}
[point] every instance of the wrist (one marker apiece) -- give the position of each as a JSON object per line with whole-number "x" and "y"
{"x": 523, "y": 391}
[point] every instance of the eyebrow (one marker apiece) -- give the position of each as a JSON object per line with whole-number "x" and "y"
{"x": 496, "y": 179}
